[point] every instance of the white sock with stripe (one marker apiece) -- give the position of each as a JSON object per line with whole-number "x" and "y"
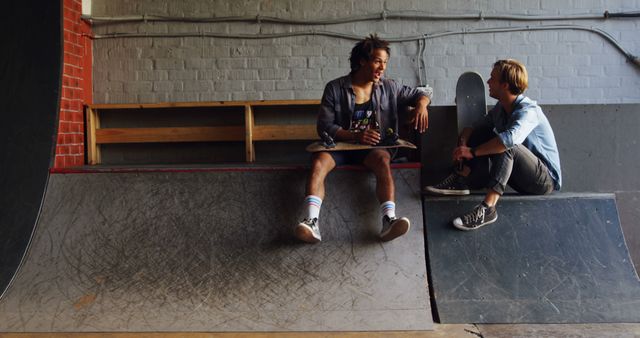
{"x": 313, "y": 206}
{"x": 388, "y": 208}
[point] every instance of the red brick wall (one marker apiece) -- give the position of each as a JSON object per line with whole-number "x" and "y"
{"x": 76, "y": 86}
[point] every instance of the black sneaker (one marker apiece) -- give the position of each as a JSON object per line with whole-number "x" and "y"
{"x": 394, "y": 227}
{"x": 480, "y": 216}
{"x": 454, "y": 184}
{"x": 308, "y": 231}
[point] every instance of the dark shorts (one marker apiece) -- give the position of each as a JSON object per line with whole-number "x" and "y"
{"x": 353, "y": 157}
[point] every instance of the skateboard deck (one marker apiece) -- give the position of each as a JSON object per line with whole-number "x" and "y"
{"x": 471, "y": 104}
{"x": 347, "y": 146}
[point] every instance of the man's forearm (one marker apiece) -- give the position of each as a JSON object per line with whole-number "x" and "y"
{"x": 493, "y": 146}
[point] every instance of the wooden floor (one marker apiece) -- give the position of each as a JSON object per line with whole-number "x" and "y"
{"x": 440, "y": 330}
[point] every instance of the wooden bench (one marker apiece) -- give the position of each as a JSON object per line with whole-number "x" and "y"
{"x": 249, "y": 133}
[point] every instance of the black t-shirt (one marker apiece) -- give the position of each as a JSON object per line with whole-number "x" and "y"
{"x": 363, "y": 117}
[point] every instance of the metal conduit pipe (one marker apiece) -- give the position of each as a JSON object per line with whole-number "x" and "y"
{"x": 384, "y": 15}
{"x": 632, "y": 58}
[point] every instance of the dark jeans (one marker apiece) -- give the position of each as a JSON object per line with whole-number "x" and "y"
{"x": 517, "y": 167}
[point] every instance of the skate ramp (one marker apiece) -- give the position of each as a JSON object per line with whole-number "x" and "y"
{"x": 551, "y": 259}
{"x": 213, "y": 251}
{"x": 31, "y": 62}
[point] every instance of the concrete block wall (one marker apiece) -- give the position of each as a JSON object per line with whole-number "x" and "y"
{"x": 565, "y": 66}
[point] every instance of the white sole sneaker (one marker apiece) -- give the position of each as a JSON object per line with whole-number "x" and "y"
{"x": 435, "y": 191}
{"x": 304, "y": 233}
{"x": 400, "y": 227}
{"x": 458, "y": 224}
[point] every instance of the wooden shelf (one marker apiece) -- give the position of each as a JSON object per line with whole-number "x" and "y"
{"x": 249, "y": 133}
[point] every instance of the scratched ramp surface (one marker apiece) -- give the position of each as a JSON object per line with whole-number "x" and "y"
{"x": 213, "y": 251}
{"x": 554, "y": 259}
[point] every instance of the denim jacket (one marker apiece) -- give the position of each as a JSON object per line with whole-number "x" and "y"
{"x": 338, "y": 103}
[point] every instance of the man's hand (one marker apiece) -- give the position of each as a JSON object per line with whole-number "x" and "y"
{"x": 420, "y": 118}
{"x": 462, "y": 153}
{"x": 370, "y": 137}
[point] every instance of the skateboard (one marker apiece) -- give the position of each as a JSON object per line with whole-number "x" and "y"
{"x": 327, "y": 144}
{"x": 471, "y": 105}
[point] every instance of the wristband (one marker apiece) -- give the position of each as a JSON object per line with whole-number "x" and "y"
{"x": 473, "y": 152}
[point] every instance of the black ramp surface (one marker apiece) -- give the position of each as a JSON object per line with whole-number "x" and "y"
{"x": 553, "y": 259}
{"x": 214, "y": 251}
{"x": 30, "y": 64}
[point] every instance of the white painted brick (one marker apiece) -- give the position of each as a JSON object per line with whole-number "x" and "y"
{"x": 319, "y": 61}
{"x": 168, "y": 64}
{"x": 246, "y": 96}
{"x": 137, "y": 42}
{"x": 279, "y": 95}
{"x": 260, "y": 63}
{"x": 329, "y": 74}
{"x": 286, "y": 85}
{"x": 574, "y": 82}
{"x": 214, "y": 96}
{"x": 559, "y": 94}
{"x": 108, "y": 86}
{"x": 308, "y": 51}
{"x": 121, "y": 97}
{"x": 276, "y": 50}
{"x": 153, "y": 75}
{"x": 308, "y": 95}
{"x": 590, "y": 95}
{"x": 180, "y": 75}
{"x": 119, "y": 75}
{"x": 153, "y": 97}
{"x": 199, "y": 63}
{"x": 216, "y": 52}
{"x": 242, "y": 74}
{"x": 198, "y": 86}
{"x": 543, "y": 60}
{"x": 229, "y": 86}
{"x": 607, "y": 82}
{"x": 292, "y": 62}
{"x": 210, "y": 74}
{"x": 164, "y": 86}
{"x": 592, "y": 71}
{"x": 166, "y": 42}
{"x": 184, "y": 96}
{"x": 316, "y": 84}
{"x": 231, "y": 63}
{"x": 272, "y": 74}
{"x": 260, "y": 85}
{"x": 138, "y": 86}
{"x": 559, "y": 71}
{"x": 553, "y": 58}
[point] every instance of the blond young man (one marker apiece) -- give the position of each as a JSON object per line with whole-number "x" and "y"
{"x": 513, "y": 145}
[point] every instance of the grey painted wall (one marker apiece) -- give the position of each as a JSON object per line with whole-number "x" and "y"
{"x": 566, "y": 66}
{"x": 598, "y": 145}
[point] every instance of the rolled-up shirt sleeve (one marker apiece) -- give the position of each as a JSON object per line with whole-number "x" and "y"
{"x": 327, "y": 113}
{"x": 523, "y": 122}
{"x": 409, "y": 96}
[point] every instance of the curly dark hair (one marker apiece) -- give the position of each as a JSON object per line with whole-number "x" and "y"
{"x": 363, "y": 50}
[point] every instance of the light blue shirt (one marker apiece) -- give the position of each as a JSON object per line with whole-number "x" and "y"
{"x": 527, "y": 125}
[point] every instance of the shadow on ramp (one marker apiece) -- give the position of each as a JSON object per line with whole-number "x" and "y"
{"x": 550, "y": 259}
{"x": 213, "y": 251}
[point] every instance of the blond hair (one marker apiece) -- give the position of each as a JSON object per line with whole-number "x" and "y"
{"x": 514, "y": 73}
